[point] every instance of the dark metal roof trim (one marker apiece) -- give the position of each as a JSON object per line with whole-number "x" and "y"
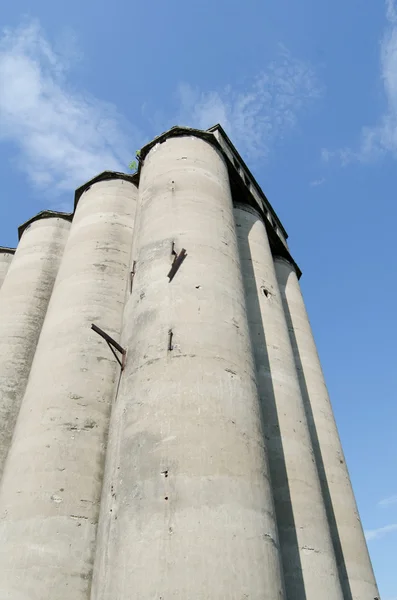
{"x": 44, "y": 214}
{"x": 104, "y": 176}
{"x": 243, "y": 164}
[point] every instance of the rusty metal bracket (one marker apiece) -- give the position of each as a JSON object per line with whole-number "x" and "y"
{"x": 112, "y": 345}
{"x": 178, "y": 260}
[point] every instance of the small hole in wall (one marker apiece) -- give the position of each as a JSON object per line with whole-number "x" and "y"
{"x": 166, "y": 498}
{"x": 265, "y": 292}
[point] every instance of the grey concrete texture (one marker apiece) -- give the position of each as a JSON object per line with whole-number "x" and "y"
{"x": 308, "y": 556}
{"x": 187, "y": 508}
{"x": 5, "y": 261}
{"x": 24, "y": 298}
{"x": 351, "y": 551}
{"x": 50, "y": 492}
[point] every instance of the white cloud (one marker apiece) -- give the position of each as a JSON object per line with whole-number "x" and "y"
{"x": 317, "y": 182}
{"x": 380, "y": 138}
{"x": 257, "y": 117}
{"x": 63, "y": 138}
{"x": 383, "y": 137}
{"x": 388, "y": 501}
{"x": 374, "y": 534}
{"x": 326, "y": 154}
{"x": 391, "y": 12}
{"x": 344, "y": 155}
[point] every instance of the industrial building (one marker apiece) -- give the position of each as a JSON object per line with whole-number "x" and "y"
{"x": 165, "y": 428}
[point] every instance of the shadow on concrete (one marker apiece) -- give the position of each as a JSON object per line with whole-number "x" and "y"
{"x": 295, "y": 588}
{"x": 340, "y": 560}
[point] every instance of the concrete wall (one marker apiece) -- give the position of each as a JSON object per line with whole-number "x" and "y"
{"x": 6, "y": 256}
{"x": 308, "y": 556}
{"x": 350, "y": 546}
{"x": 187, "y": 510}
{"x": 24, "y": 298}
{"x": 51, "y": 486}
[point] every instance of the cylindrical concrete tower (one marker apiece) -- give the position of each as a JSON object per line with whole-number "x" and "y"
{"x": 310, "y": 569}
{"x": 350, "y": 546}
{"x": 187, "y": 510}
{"x": 53, "y": 477}
{"x": 24, "y": 298}
{"x": 6, "y": 256}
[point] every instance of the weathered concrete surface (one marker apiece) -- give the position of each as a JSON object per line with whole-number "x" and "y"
{"x": 52, "y": 482}
{"x": 310, "y": 569}
{"x": 187, "y": 510}
{"x": 24, "y": 298}
{"x": 350, "y": 546}
{"x": 6, "y": 256}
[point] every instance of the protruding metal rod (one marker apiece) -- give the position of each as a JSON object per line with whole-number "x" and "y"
{"x": 111, "y": 343}
{"x": 170, "y": 336}
{"x": 177, "y": 263}
{"x": 132, "y": 274}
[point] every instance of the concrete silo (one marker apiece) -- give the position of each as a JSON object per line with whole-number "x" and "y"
{"x": 308, "y": 555}
{"x": 49, "y": 497}
{"x": 24, "y": 298}
{"x": 187, "y": 510}
{"x": 6, "y": 256}
{"x": 351, "y": 551}
{"x": 206, "y": 464}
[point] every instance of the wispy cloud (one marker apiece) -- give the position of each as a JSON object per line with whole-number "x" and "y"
{"x": 344, "y": 155}
{"x": 391, "y": 12}
{"x": 317, "y": 182}
{"x": 258, "y": 117}
{"x": 381, "y": 138}
{"x": 388, "y": 501}
{"x": 374, "y": 534}
{"x": 326, "y": 154}
{"x": 62, "y": 137}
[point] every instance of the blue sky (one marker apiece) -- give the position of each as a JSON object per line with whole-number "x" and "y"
{"x": 308, "y": 93}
